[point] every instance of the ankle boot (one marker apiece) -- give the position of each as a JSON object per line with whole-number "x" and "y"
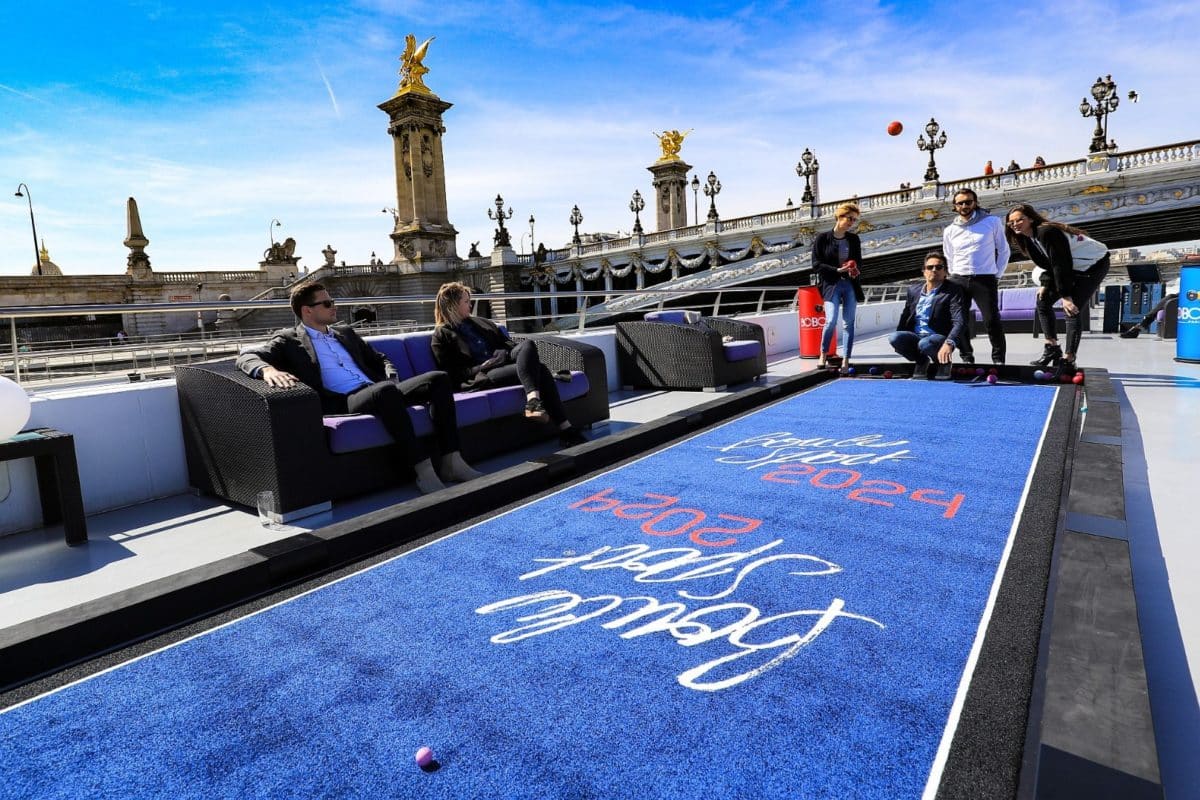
{"x": 1051, "y": 353}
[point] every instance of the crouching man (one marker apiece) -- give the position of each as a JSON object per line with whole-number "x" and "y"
{"x": 932, "y": 321}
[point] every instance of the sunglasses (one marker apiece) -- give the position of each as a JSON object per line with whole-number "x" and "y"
{"x": 935, "y": 266}
{"x": 326, "y": 303}
{"x": 964, "y": 202}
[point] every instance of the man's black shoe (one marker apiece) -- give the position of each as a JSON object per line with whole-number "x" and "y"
{"x": 1132, "y": 333}
{"x": 941, "y": 372}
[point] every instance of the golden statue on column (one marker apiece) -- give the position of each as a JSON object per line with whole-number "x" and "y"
{"x": 671, "y": 142}
{"x": 412, "y": 66}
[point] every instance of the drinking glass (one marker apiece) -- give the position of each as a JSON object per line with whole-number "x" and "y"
{"x": 267, "y": 510}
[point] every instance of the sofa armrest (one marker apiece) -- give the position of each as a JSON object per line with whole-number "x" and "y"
{"x": 737, "y": 329}
{"x": 242, "y": 436}
{"x": 559, "y": 353}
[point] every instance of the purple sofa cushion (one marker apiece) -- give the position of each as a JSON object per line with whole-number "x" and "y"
{"x": 741, "y": 349}
{"x": 420, "y": 353}
{"x": 396, "y": 353}
{"x": 578, "y": 387}
{"x": 350, "y": 432}
{"x": 505, "y": 401}
{"x": 677, "y": 317}
{"x": 470, "y": 408}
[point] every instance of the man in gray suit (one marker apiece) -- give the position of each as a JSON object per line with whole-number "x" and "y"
{"x": 352, "y": 377}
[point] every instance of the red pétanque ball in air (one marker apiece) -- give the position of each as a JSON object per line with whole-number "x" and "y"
{"x": 894, "y": 128}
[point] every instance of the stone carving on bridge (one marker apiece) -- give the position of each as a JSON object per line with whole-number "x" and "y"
{"x": 671, "y": 143}
{"x": 412, "y": 66}
{"x": 281, "y": 252}
{"x": 329, "y": 253}
{"x": 138, "y": 263}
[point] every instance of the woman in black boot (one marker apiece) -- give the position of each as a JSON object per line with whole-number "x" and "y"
{"x": 1070, "y": 265}
{"x": 478, "y": 355}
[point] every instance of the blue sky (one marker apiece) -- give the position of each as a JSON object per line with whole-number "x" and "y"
{"x": 220, "y": 116}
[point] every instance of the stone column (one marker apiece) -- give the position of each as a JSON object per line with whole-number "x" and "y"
{"x": 670, "y": 192}
{"x": 424, "y": 239}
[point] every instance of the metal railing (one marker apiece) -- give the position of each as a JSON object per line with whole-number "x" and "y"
{"x": 150, "y": 356}
{"x": 153, "y": 356}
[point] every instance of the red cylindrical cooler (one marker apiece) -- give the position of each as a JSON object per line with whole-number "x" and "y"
{"x": 811, "y": 310}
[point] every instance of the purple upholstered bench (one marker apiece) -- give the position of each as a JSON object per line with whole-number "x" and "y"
{"x": 411, "y": 354}
{"x": 242, "y": 436}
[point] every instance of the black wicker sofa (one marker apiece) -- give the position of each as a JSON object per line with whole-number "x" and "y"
{"x": 242, "y": 437}
{"x": 682, "y": 350}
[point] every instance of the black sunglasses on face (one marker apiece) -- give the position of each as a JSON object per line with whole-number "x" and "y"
{"x": 326, "y": 303}
{"x": 935, "y": 266}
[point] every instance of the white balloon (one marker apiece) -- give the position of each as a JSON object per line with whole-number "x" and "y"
{"x": 14, "y": 408}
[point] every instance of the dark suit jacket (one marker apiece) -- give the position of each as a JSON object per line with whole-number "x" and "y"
{"x": 825, "y": 262}
{"x": 291, "y": 350}
{"x": 945, "y": 315}
{"x": 453, "y": 354}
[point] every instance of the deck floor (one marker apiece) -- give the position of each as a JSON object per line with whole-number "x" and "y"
{"x": 1160, "y": 401}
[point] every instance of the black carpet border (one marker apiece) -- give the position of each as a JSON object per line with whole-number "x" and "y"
{"x": 988, "y": 750}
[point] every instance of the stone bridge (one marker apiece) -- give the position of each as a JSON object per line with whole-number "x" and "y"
{"x": 1139, "y": 198}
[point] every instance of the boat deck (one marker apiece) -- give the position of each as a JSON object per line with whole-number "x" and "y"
{"x": 1160, "y": 401}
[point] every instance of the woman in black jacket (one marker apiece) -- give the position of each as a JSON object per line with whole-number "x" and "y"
{"x": 836, "y": 255}
{"x": 1071, "y": 266}
{"x": 478, "y": 355}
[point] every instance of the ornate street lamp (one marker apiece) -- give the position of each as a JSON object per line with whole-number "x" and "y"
{"x": 807, "y": 168}
{"x": 1104, "y": 92}
{"x": 695, "y": 199}
{"x": 576, "y": 218}
{"x": 37, "y": 256}
{"x": 935, "y": 142}
{"x": 712, "y": 188}
{"x": 501, "y": 238}
{"x": 636, "y": 205}
{"x": 532, "y": 259}
{"x": 271, "y": 226}
{"x": 395, "y": 214}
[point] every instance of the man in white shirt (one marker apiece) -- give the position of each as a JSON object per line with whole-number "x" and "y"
{"x": 350, "y": 376}
{"x": 977, "y": 250}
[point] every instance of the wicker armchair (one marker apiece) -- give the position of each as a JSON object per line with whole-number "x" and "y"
{"x": 242, "y": 437}
{"x": 681, "y": 355}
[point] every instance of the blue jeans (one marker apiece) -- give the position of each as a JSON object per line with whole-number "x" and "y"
{"x": 921, "y": 349}
{"x": 842, "y": 299}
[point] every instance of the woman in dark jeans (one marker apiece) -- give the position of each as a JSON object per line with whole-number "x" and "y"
{"x": 836, "y": 255}
{"x": 478, "y": 355}
{"x": 1072, "y": 265}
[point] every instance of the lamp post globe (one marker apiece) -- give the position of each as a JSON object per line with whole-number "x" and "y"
{"x": 575, "y": 220}
{"x": 935, "y": 143}
{"x": 806, "y": 168}
{"x": 712, "y": 188}
{"x": 636, "y": 204}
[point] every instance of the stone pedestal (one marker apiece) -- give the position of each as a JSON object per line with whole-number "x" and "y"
{"x": 670, "y": 192}
{"x": 503, "y": 256}
{"x": 423, "y": 238}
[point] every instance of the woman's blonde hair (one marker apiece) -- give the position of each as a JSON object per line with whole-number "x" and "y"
{"x": 847, "y": 208}
{"x": 445, "y": 310}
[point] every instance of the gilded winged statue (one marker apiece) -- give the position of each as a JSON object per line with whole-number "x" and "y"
{"x": 412, "y": 66}
{"x": 671, "y": 141}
